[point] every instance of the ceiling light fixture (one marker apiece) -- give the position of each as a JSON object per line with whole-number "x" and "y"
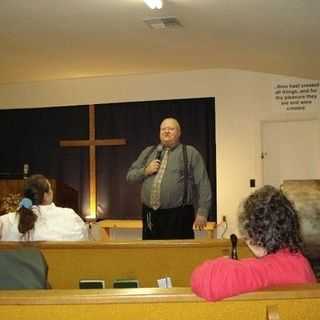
{"x": 154, "y": 4}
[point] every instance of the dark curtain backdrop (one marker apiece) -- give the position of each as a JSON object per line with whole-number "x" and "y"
{"x": 139, "y": 123}
{"x": 32, "y": 136}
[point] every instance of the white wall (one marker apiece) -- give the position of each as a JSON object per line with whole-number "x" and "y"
{"x": 243, "y": 100}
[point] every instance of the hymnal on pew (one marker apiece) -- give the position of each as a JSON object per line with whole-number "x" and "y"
{"x": 125, "y": 283}
{"x": 91, "y": 284}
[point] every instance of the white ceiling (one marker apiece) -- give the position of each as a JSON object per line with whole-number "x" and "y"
{"x": 62, "y": 39}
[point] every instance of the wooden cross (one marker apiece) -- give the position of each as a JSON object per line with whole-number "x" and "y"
{"x": 92, "y": 143}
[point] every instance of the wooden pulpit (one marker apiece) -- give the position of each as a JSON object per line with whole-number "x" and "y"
{"x": 11, "y": 192}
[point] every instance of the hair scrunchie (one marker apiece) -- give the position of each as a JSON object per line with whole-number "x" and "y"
{"x": 26, "y": 203}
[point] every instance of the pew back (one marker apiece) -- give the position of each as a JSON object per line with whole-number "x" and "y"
{"x": 145, "y": 261}
{"x": 294, "y": 303}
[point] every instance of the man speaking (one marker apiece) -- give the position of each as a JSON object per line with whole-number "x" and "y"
{"x": 174, "y": 180}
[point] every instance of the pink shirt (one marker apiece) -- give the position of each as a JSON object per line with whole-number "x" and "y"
{"x": 224, "y": 277}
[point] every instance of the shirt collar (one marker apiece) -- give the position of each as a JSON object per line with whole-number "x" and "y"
{"x": 172, "y": 148}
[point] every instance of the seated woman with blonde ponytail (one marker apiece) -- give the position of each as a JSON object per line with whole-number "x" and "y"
{"x": 39, "y": 219}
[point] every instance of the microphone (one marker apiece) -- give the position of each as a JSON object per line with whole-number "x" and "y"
{"x": 25, "y": 171}
{"x": 234, "y": 240}
{"x": 159, "y": 150}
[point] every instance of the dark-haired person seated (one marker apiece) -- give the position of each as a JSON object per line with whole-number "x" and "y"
{"x": 38, "y": 218}
{"x": 270, "y": 225}
{"x": 23, "y": 269}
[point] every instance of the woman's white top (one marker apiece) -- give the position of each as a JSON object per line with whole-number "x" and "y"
{"x": 53, "y": 223}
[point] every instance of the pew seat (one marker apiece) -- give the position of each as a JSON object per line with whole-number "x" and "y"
{"x": 145, "y": 261}
{"x": 293, "y": 302}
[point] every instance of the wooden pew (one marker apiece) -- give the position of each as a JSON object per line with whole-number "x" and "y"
{"x": 294, "y": 303}
{"x": 145, "y": 261}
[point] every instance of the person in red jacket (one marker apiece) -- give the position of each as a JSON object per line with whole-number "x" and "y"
{"x": 270, "y": 225}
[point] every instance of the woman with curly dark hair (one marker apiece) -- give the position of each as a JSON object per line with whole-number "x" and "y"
{"x": 269, "y": 223}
